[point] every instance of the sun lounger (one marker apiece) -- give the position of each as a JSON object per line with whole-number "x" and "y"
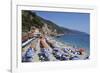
{"x": 47, "y": 54}
{"x": 60, "y": 54}
{"x": 28, "y": 56}
{"x": 74, "y": 58}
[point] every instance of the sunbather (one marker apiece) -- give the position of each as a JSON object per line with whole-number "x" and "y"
{"x": 46, "y": 49}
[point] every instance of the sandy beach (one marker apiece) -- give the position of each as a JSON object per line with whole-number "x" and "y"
{"x": 70, "y": 51}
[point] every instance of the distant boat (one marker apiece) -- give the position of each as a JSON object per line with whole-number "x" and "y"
{"x": 59, "y": 35}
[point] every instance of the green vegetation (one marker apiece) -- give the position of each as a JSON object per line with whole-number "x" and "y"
{"x": 30, "y": 19}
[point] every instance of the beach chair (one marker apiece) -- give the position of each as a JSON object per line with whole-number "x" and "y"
{"x": 28, "y": 56}
{"x": 74, "y": 58}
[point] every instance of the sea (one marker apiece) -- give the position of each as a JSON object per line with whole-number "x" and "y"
{"x": 79, "y": 41}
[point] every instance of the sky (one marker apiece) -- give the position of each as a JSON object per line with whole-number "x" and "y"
{"x": 76, "y": 21}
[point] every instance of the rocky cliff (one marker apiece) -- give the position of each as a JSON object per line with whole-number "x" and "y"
{"x": 45, "y": 26}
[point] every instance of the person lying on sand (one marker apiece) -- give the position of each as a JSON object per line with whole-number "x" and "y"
{"x": 43, "y": 42}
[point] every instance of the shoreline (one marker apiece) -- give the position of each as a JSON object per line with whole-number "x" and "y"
{"x": 69, "y": 46}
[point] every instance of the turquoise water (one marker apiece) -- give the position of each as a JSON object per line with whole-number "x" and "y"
{"x": 79, "y": 41}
